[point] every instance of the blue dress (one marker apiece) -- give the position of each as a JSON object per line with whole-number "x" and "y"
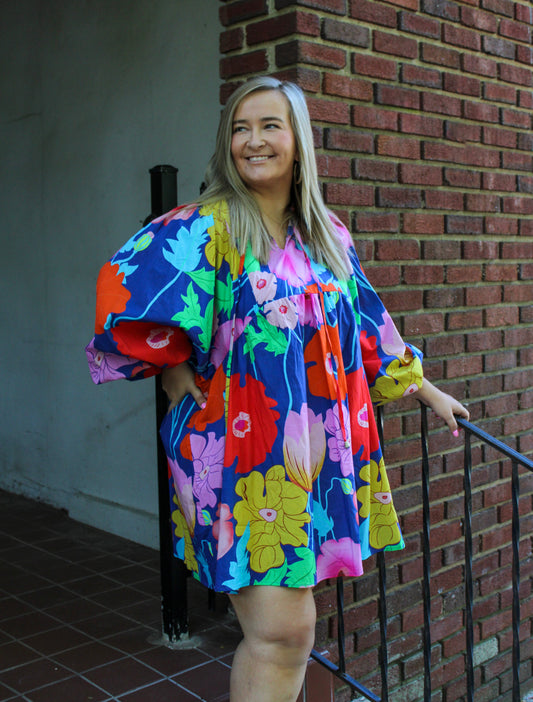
{"x": 279, "y": 479}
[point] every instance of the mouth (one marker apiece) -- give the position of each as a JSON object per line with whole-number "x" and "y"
{"x": 257, "y": 159}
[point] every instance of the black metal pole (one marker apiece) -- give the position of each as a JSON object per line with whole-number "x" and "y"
{"x": 164, "y": 196}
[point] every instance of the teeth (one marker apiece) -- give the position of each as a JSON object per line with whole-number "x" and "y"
{"x": 256, "y": 159}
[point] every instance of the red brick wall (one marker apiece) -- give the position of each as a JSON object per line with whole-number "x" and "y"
{"x": 422, "y": 111}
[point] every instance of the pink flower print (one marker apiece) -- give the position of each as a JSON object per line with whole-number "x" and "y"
{"x": 304, "y": 447}
{"x": 309, "y": 309}
{"x": 337, "y": 450}
{"x": 282, "y": 313}
{"x": 411, "y": 390}
{"x": 183, "y": 487}
{"x": 290, "y": 264}
{"x": 105, "y": 366}
{"x": 264, "y": 285}
{"x": 391, "y": 341}
{"x": 362, "y": 416}
{"x": 223, "y": 337}
{"x": 342, "y": 557}
{"x": 242, "y": 424}
{"x": 223, "y": 530}
{"x": 207, "y": 456}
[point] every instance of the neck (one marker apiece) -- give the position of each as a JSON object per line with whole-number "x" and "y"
{"x": 274, "y": 213}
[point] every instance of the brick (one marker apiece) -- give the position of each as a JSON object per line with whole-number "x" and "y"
{"x": 307, "y": 78}
{"x": 514, "y": 118}
{"x": 417, "y": 75}
{"x": 381, "y": 170}
{"x": 501, "y": 316}
{"x": 348, "y": 194}
{"x": 423, "y": 324}
{"x": 374, "y": 118}
{"x": 333, "y": 166}
{"x": 395, "y": 44}
{"x": 525, "y": 99}
{"x": 481, "y": 249}
{"x": 416, "y": 23}
{"x": 254, "y": 62}
{"x": 462, "y": 178}
{"x": 486, "y": 340}
{"x": 299, "y": 51}
{"x": 423, "y": 275}
{"x": 500, "y": 7}
{"x": 444, "y": 200}
{"x": 515, "y": 161}
{"x": 517, "y": 250}
{"x": 441, "y": 8}
{"x": 285, "y": 25}
{"x": 348, "y": 140}
{"x": 482, "y": 21}
{"x": 481, "y": 202}
{"x": 399, "y": 197}
{"x": 456, "y": 83}
{"x": 459, "y": 36}
{"x": 464, "y": 274}
{"x": 500, "y": 272}
{"x": 442, "y": 104}
{"x": 460, "y": 224}
{"x": 373, "y": 13}
{"x": 518, "y": 205}
{"x": 377, "y": 222}
{"x": 407, "y": 301}
{"x": 345, "y": 33}
{"x": 343, "y": 86}
{"x": 397, "y": 97}
{"x": 525, "y": 142}
{"x": 525, "y": 184}
{"x": 479, "y": 296}
{"x": 421, "y": 124}
{"x": 515, "y": 74}
{"x": 461, "y": 132}
{"x": 440, "y": 55}
{"x": 331, "y": 111}
{"x": 397, "y": 249}
{"x": 481, "y": 65}
{"x": 481, "y": 112}
{"x": 523, "y": 13}
{"x": 515, "y": 30}
{"x": 234, "y": 12}
{"x": 495, "y": 136}
{"x": 231, "y": 40}
{"x": 375, "y": 66}
{"x": 422, "y": 223}
{"x": 399, "y": 147}
{"x": 495, "y": 92}
{"x": 524, "y": 54}
{"x": 420, "y": 175}
{"x": 517, "y": 293}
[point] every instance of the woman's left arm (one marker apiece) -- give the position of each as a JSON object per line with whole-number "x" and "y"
{"x": 444, "y": 405}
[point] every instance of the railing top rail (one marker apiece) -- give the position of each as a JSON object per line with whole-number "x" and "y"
{"x": 495, "y": 443}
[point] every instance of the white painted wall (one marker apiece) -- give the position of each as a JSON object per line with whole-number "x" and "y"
{"x": 94, "y": 93}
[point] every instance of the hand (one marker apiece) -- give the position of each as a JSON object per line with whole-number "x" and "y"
{"x": 444, "y": 405}
{"x": 179, "y": 381}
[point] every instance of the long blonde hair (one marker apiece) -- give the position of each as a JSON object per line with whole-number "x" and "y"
{"x": 223, "y": 182}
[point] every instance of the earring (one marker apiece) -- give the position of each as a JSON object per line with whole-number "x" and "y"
{"x": 297, "y": 173}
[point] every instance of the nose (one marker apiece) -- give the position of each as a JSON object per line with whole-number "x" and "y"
{"x": 255, "y": 139}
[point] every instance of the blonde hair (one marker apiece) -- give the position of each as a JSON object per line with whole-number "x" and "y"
{"x": 311, "y": 216}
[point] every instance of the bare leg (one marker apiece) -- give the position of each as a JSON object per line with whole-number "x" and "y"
{"x": 279, "y": 629}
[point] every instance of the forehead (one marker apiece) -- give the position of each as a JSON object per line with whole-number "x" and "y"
{"x": 263, "y": 103}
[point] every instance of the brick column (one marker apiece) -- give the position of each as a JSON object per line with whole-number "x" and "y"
{"x": 423, "y": 119}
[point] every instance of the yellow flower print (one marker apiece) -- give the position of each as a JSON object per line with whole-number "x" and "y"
{"x": 401, "y": 378}
{"x": 221, "y": 247}
{"x": 275, "y": 510}
{"x": 182, "y": 532}
{"x": 376, "y": 503}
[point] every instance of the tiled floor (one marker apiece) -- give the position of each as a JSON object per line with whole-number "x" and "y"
{"x": 80, "y": 618}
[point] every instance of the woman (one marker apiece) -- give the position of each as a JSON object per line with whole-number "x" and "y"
{"x": 272, "y": 345}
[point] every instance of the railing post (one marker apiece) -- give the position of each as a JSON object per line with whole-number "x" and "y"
{"x": 426, "y": 552}
{"x": 469, "y": 584}
{"x": 164, "y": 196}
{"x": 515, "y": 495}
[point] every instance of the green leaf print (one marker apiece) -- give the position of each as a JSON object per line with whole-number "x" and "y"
{"x": 203, "y": 279}
{"x": 274, "y": 576}
{"x": 274, "y": 339}
{"x": 302, "y": 572}
{"x": 191, "y": 316}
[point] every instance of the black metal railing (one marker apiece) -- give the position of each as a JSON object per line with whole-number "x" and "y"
{"x": 517, "y": 460}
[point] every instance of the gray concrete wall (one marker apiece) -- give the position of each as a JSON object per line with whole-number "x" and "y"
{"x": 94, "y": 94}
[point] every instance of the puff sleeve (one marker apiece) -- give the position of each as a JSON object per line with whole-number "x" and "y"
{"x": 155, "y": 299}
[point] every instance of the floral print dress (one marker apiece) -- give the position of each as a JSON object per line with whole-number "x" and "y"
{"x": 279, "y": 479}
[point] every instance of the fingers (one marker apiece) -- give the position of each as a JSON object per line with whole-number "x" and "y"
{"x": 198, "y": 396}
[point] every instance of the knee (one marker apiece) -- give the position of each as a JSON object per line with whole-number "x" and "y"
{"x": 292, "y": 635}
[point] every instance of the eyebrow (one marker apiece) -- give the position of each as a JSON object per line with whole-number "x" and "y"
{"x": 263, "y": 119}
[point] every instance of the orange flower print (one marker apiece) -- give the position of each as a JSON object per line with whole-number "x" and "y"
{"x": 111, "y": 295}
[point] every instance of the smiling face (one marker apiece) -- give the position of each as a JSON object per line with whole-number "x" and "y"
{"x": 263, "y": 146}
